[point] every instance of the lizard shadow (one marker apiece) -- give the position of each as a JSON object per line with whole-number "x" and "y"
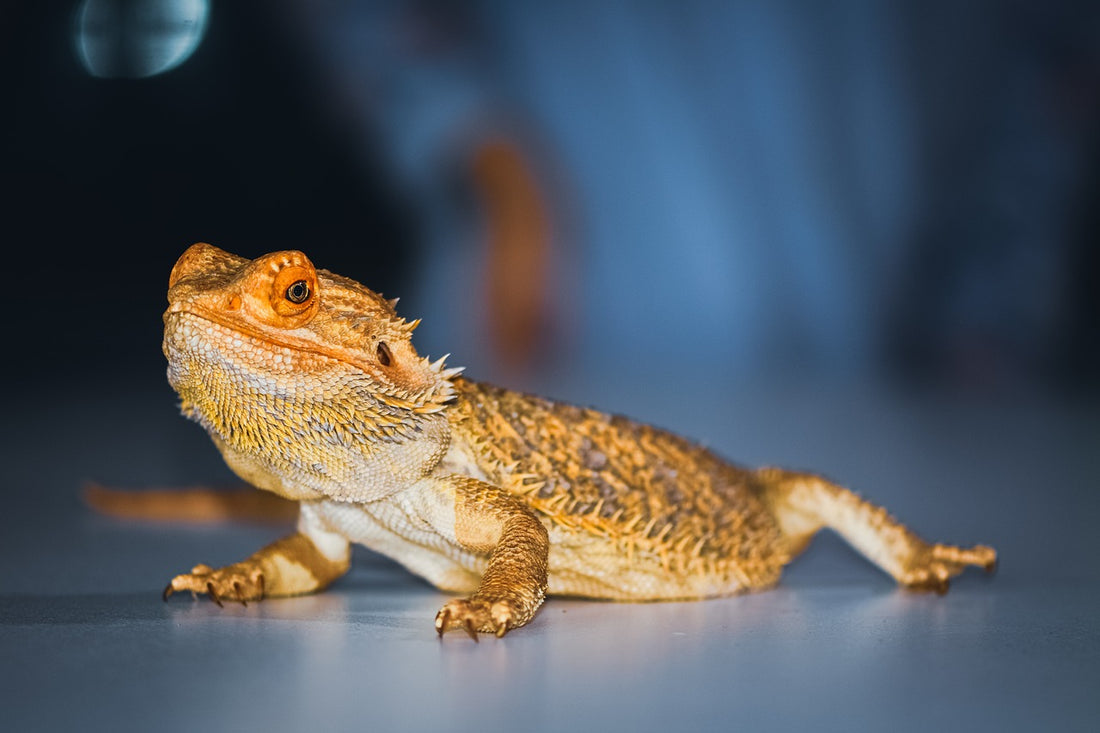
{"x": 371, "y": 576}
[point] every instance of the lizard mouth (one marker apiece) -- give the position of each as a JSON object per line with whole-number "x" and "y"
{"x": 178, "y": 314}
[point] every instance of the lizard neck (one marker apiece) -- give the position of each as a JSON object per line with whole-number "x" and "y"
{"x": 303, "y": 425}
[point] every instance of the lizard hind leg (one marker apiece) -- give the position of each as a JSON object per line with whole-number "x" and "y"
{"x": 804, "y": 503}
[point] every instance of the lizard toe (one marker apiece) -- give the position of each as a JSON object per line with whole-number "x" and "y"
{"x": 469, "y": 614}
{"x": 242, "y": 582}
{"x": 932, "y": 567}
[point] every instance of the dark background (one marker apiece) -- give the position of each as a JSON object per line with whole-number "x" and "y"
{"x": 916, "y": 181}
{"x": 109, "y": 180}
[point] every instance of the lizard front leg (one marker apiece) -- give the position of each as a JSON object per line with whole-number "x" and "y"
{"x": 490, "y": 520}
{"x": 304, "y": 562}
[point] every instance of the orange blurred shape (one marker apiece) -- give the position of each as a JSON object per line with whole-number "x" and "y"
{"x": 193, "y": 504}
{"x": 517, "y": 270}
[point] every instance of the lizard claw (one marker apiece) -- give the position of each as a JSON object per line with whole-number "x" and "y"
{"x": 441, "y": 620}
{"x": 213, "y": 593}
{"x": 476, "y": 614}
{"x": 242, "y": 582}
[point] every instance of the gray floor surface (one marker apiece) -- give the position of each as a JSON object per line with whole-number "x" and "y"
{"x": 87, "y": 644}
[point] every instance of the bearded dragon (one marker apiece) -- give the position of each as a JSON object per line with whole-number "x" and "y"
{"x": 309, "y": 386}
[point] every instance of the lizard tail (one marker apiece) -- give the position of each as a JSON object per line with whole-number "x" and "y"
{"x": 195, "y": 504}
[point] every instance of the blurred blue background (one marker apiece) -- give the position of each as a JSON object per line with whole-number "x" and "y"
{"x": 848, "y": 190}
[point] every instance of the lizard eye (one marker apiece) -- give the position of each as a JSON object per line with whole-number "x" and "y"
{"x": 385, "y": 358}
{"x": 298, "y": 292}
{"x": 294, "y": 293}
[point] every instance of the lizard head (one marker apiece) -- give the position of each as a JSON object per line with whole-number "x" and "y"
{"x": 279, "y": 311}
{"x": 308, "y": 382}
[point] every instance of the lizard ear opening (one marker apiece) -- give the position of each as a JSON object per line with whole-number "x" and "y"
{"x": 385, "y": 357}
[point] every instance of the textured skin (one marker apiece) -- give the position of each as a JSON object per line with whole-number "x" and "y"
{"x": 672, "y": 519}
{"x": 310, "y": 387}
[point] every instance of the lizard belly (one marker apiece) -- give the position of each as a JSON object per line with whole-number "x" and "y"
{"x": 394, "y": 529}
{"x": 598, "y": 567}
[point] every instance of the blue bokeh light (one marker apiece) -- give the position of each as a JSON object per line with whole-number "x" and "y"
{"x": 134, "y": 39}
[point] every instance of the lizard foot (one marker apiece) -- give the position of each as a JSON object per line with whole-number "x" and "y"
{"x": 932, "y": 566}
{"x": 240, "y": 582}
{"x": 476, "y": 614}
